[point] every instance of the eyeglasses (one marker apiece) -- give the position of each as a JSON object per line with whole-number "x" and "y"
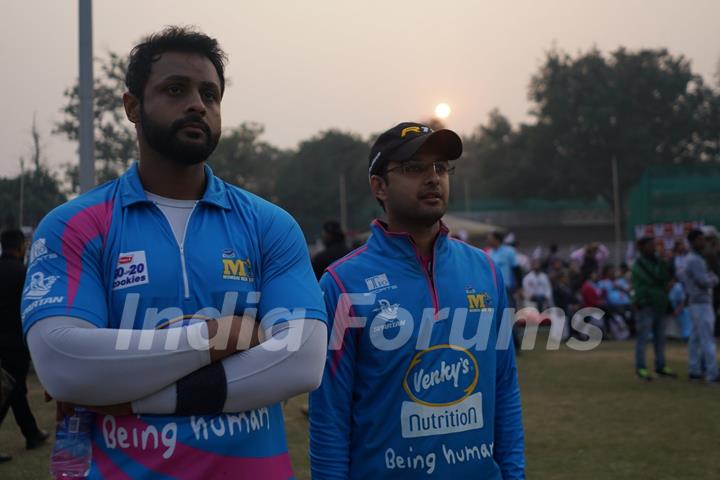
{"x": 419, "y": 169}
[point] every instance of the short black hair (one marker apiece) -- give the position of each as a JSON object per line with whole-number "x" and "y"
{"x": 334, "y": 229}
{"x": 12, "y": 239}
{"x": 644, "y": 241}
{"x": 694, "y": 233}
{"x": 498, "y": 236}
{"x": 171, "y": 39}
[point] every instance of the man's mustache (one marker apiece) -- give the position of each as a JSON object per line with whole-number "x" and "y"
{"x": 193, "y": 121}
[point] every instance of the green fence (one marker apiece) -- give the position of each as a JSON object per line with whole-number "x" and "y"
{"x": 675, "y": 194}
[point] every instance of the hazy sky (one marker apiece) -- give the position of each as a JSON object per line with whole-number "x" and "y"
{"x": 299, "y": 67}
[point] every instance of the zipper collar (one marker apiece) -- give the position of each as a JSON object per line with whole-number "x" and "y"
{"x": 132, "y": 191}
{"x": 401, "y": 244}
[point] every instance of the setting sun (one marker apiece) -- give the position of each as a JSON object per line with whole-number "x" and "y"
{"x": 442, "y": 110}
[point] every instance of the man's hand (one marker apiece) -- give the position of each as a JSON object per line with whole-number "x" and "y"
{"x": 233, "y": 334}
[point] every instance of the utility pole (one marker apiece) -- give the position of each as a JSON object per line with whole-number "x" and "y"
{"x": 85, "y": 90}
{"x": 22, "y": 191}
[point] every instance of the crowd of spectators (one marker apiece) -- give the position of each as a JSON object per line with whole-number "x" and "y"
{"x": 586, "y": 278}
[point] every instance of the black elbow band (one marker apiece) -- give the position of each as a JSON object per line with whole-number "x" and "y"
{"x": 203, "y": 392}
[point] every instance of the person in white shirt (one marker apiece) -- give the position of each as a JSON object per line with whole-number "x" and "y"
{"x": 537, "y": 288}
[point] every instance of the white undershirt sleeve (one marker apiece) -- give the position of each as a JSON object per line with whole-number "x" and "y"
{"x": 290, "y": 362}
{"x": 82, "y": 364}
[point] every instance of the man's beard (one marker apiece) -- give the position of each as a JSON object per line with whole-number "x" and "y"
{"x": 418, "y": 216}
{"x": 165, "y": 141}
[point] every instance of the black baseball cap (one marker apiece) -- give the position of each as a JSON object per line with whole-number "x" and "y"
{"x": 402, "y": 141}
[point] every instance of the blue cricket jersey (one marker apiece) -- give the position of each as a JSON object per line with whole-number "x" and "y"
{"x": 505, "y": 259}
{"x": 111, "y": 258}
{"x": 419, "y": 387}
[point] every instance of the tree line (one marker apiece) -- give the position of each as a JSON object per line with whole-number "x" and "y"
{"x": 642, "y": 108}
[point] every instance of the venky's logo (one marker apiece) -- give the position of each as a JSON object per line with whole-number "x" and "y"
{"x": 237, "y": 269}
{"x": 441, "y": 376}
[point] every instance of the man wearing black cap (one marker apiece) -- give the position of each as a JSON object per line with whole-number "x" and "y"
{"x": 420, "y": 377}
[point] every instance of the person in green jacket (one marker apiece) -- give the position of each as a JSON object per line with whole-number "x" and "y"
{"x": 651, "y": 280}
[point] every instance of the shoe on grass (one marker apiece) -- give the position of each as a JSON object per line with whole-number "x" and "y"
{"x": 695, "y": 378}
{"x": 644, "y": 374}
{"x": 36, "y": 439}
{"x": 666, "y": 372}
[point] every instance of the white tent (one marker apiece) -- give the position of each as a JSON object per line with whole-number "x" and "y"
{"x": 471, "y": 228}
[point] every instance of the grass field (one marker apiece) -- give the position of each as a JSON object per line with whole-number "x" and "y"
{"x": 585, "y": 415}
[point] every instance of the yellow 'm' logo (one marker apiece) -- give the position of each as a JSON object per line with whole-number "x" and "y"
{"x": 234, "y": 268}
{"x": 476, "y": 301}
{"x": 407, "y": 130}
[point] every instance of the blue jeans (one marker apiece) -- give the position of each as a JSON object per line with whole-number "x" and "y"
{"x": 649, "y": 321}
{"x": 701, "y": 347}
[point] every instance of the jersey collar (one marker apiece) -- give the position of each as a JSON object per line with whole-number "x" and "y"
{"x": 400, "y": 244}
{"x": 132, "y": 191}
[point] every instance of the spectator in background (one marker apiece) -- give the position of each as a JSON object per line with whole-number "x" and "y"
{"x": 591, "y": 293}
{"x": 563, "y": 295}
{"x": 651, "y": 280}
{"x": 552, "y": 258}
{"x": 523, "y": 260}
{"x": 699, "y": 282}
{"x": 505, "y": 259}
{"x": 625, "y": 274}
{"x": 555, "y": 270}
{"x": 14, "y": 355}
{"x": 680, "y": 256}
{"x": 592, "y": 296}
{"x": 712, "y": 256}
{"x": 334, "y": 240}
{"x": 590, "y": 262}
{"x": 537, "y": 288}
{"x": 617, "y": 293}
{"x": 576, "y": 278}
{"x": 678, "y": 300}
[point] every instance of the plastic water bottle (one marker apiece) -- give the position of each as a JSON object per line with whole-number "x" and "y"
{"x": 72, "y": 452}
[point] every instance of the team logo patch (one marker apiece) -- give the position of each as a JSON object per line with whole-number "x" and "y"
{"x": 39, "y": 251}
{"x": 131, "y": 270}
{"x": 236, "y": 268}
{"x": 40, "y": 285}
{"x": 387, "y": 311}
{"x": 478, "y": 302}
{"x": 417, "y": 130}
{"x": 386, "y": 317}
{"x": 376, "y": 282}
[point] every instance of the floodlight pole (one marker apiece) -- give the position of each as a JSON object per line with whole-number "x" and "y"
{"x": 85, "y": 91}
